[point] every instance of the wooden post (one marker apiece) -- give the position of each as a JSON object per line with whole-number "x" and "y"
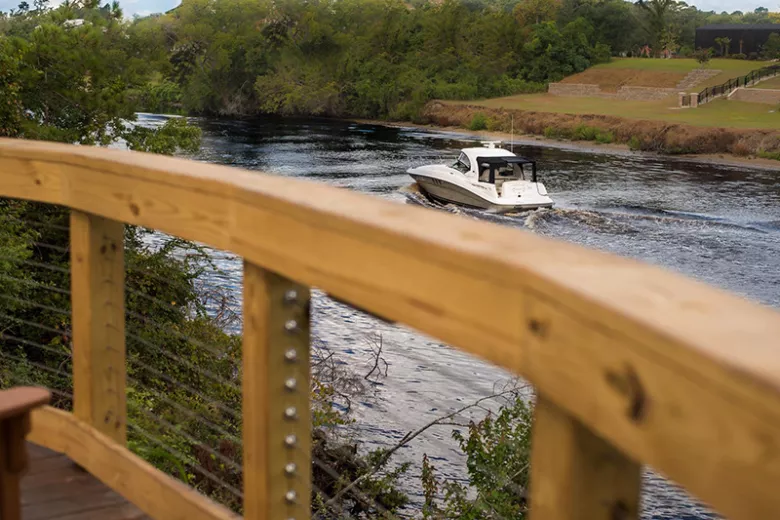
{"x": 576, "y": 475}
{"x": 275, "y": 386}
{"x": 98, "y": 303}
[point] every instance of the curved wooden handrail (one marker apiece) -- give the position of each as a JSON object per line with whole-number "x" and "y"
{"x": 674, "y": 373}
{"x": 138, "y": 481}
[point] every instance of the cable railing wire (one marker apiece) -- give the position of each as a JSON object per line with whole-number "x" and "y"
{"x": 185, "y": 387}
{"x": 59, "y": 249}
{"x": 32, "y": 263}
{"x": 200, "y": 469}
{"x": 202, "y": 371}
{"x": 31, "y": 303}
{"x": 166, "y": 424}
{"x": 39, "y": 326}
{"x": 35, "y": 284}
{"x": 184, "y": 410}
{"x": 35, "y": 223}
{"x": 43, "y": 367}
{"x": 29, "y": 343}
{"x": 166, "y": 328}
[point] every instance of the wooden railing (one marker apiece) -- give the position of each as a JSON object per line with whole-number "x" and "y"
{"x": 632, "y": 364}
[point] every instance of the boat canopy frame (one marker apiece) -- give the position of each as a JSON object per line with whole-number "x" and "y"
{"x": 493, "y": 161}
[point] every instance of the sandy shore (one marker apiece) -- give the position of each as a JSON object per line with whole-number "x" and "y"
{"x": 589, "y": 147}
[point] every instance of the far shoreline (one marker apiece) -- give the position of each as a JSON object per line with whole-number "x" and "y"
{"x": 585, "y": 146}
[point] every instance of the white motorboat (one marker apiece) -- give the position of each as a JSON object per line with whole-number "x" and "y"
{"x": 488, "y": 178}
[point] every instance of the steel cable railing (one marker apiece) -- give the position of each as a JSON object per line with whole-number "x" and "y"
{"x": 184, "y": 369}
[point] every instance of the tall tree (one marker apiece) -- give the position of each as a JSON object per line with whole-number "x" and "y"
{"x": 658, "y": 12}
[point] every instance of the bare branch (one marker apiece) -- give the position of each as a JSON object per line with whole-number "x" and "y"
{"x": 410, "y": 437}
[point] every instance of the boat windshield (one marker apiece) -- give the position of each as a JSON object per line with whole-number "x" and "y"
{"x": 462, "y": 164}
{"x": 499, "y": 169}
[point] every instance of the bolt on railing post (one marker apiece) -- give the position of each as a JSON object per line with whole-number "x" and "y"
{"x": 98, "y": 316}
{"x": 275, "y": 403}
{"x": 577, "y": 475}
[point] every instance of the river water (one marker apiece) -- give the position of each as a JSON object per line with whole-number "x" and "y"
{"x": 718, "y": 224}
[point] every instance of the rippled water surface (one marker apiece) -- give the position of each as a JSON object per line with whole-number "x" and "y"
{"x": 718, "y": 224}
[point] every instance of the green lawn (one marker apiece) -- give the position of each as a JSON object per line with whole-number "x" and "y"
{"x": 730, "y": 68}
{"x": 773, "y": 83}
{"x": 719, "y": 113}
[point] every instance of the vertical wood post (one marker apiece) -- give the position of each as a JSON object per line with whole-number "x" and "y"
{"x": 576, "y": 475}
{"x": 275, "y": 403}
{"x": 98, "y": 303}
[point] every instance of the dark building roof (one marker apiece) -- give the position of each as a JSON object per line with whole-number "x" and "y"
{"x": 740, "y": 27}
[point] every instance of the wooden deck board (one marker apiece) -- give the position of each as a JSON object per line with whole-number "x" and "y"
{"x": 55, "y": 488}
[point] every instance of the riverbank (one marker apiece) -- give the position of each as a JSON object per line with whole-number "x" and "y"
{"x": 585, "y": 146}
{"x": 594, "y": 133}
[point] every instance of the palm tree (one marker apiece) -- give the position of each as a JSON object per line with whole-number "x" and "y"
{"x": 657, "y": 9}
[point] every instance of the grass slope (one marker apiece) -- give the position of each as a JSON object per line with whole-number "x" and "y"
{"x": 773, "y": 83}
{"x": 611, "y": 79}
{"x": 729, "y": 68}
{"x": 719, "y": 113}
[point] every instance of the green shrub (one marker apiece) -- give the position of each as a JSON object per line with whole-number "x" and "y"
{"x": 584, "y": 133}
{"x": 494, "y": 124}
{"x": 635, "y": 143}
{"x": 769, "y": 155}
{"x": 686, "y": 51}
{"x": 703, "y": 56}
{"x": 478, "y": 122}
{"x": 771, "y": 49}
{"x": 497, "y": 459}
{"x": 739, "y": 56}
{"x": 605, "y": 137}
{"x": 551, "y": 132}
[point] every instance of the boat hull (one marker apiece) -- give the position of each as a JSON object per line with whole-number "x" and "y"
{"x": 448, "y": 192}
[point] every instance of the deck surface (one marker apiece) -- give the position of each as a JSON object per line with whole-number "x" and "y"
{"x": 55, "y": 488}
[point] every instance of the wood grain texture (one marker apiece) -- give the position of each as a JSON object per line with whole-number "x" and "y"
{"x": 98, "y": 303}
{"x": 55, "y": 488}
{"x": 20, "y": 400}
{"x": 151, "y": 490}
{"x": 707, "y": 362}
{"x": 276, "y": 323}
{"x": 15, "y": 407}
{"x": 576, "y": 475}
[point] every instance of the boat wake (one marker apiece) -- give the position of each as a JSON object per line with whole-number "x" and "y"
{"x": 613, "y": 219}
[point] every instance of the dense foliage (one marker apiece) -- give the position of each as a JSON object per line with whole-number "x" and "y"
{"x": 497, "y": 452}
{"x": 367, "y": 58}
{"x": 387, "y": 58}
{"x": 362, "y": 58}
{"x": 67, "y": 74}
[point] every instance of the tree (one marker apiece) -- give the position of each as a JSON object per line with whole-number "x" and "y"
{"x": 703, "y": 56}
{"x": 70, "y": 84}
{"x": 724, "y": 44}
{"x": 658, "y": 11}
{"x": 669, "y": 42}
{"x": 771, "y": 49}
{"x": 531, "y": 12}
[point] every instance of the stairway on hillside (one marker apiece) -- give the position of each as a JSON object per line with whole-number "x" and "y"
{"x": 695, "y": 77}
